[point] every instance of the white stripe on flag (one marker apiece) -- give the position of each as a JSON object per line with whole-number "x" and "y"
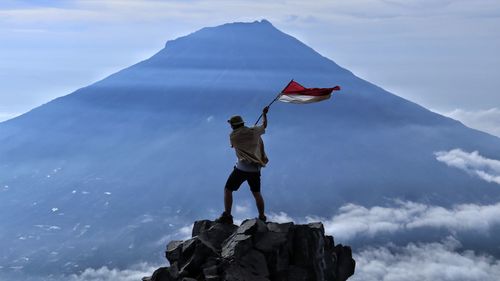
{"x": 302, "y": 98}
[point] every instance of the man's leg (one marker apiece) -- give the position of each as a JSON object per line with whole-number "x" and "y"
{"x": 259, "y": 201}
{"x": 254, "y": 182}
{"x": 228, "y": 200}
{"x": 234, "y": 181}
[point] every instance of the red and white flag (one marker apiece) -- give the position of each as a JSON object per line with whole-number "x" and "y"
{"x": 296, "y": 93}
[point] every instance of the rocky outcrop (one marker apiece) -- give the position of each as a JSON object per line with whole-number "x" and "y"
{"x": 256, "y": 251}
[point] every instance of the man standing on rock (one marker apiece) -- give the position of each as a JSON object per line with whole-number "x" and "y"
{"x": 249, "y": 147}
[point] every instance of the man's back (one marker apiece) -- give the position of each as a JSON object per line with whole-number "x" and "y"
{"x": 248, "y": 144}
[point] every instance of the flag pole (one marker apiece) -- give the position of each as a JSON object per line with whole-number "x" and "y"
{"x": 275, "y": 99}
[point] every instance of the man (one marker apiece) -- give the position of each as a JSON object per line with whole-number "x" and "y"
{"x": 249, "y": 148}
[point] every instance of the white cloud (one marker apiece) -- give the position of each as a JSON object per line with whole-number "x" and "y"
{"x": 432, "y": 261}
{"x": 485, "y": 120}
{"x": 182, "y": 233}
{"x": 242, "y": 209}
{"x": 473, "y": 163}
{"x": 129, "y": 30}
{"x": 281, "y": 217}
{"x": 443, "y": 261}
{"x": 353, "y": 220}
{"x": 106, "y": 274}
{"x": 136, "y": 10}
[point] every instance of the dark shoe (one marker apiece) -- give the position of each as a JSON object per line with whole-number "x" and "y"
{"x": 225, "y": 218}
{"x": 263, "y": 218}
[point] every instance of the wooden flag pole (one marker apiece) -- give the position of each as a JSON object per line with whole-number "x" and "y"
{"x": 275, "y": 99}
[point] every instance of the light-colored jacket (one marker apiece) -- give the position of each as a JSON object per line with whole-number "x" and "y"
{"x": 248, "y": 144}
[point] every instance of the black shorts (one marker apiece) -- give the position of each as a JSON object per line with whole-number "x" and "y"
{"x": 237, "y": 177}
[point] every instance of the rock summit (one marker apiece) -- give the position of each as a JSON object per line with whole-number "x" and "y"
{"x": 256, "y": 251}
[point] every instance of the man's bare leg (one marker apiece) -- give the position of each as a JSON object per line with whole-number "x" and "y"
{"x": 259, "y": 201}
{"x": 228, "y": 201}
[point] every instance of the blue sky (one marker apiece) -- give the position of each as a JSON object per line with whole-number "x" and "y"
{"x": 441, "y": 54}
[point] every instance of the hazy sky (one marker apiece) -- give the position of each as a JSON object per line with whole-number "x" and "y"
{"x": 443, "y": 54}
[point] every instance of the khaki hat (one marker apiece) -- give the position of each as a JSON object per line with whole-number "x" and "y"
{"x": 235, "y": 120}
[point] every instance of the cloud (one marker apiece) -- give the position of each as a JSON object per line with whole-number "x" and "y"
{"x": 110, "y": 35}
{"x": 443, "y": 260}
{"x": 485, "y": 120}
{"x": 473, "y": 163}
{"x": 281, "y": 217}
{"x": 354, "y": 221}
{"x": 141, "y": 11}
{"x": 183, "y": 233}
{"x": 430, "y": 261}
{"x": 106, "y": 274}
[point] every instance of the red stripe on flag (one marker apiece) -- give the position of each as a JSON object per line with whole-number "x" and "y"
{"x": 294, "y": 88}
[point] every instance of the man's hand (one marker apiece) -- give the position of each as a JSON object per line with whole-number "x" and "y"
{"x": 265, "y": 110}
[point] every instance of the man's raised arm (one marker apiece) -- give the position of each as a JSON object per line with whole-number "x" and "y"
{"x": 264, "y": 116}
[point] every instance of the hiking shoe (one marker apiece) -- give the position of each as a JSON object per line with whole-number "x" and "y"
{"x": 263, "y": 218}
{"x": 225, "y": 218}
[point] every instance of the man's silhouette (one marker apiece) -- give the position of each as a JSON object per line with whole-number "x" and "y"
{"x": 249, "y": 147}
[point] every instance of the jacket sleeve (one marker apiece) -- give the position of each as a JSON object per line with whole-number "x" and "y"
{"x": 260, "y": 130}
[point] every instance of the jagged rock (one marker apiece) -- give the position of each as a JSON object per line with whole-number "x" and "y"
{"x": 236, "y": 245}
{"x": 250, "y": 227}
{"x": 161, "y": 274}
{"x": 214, "y": 236}
{"x": 271, "y": 241}
{"x": 201, "y": 226}
{"x": 173, "y": 252}
{"x": 279, "y": 227}
{"x": 256, "y": 251}
{"x": 345, "y": 265}
{"x": 251, "y": 266}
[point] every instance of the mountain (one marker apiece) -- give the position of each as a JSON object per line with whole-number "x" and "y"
{"x": 100, "y": 176}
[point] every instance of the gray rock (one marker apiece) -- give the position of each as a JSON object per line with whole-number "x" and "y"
{"x": 279, "y": 227}
{"x": 174, "y": 250}
{"x": 345, "y": 264}
{"x": 255, "y": 262}
{"x": 296, "y": 273}
{"x": 252, "y": 226}
{"x": 318, "y": 226}
{"x": 239, "y": 272}
{"x": 162, "y": 274}
{"x": 236, "y": 246}
{"x": 195, "y": 255}
{"x": 188, "y": 247}
{"x": 329, "y": 241}
{"x": 216, "y": 235}
{"x": 270, "y": 241}
{"x": 174, "y": 270}
{"x": 256, "y": 251}
{"x": 211, "y": 271}
{"x": 200, "y": 226}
